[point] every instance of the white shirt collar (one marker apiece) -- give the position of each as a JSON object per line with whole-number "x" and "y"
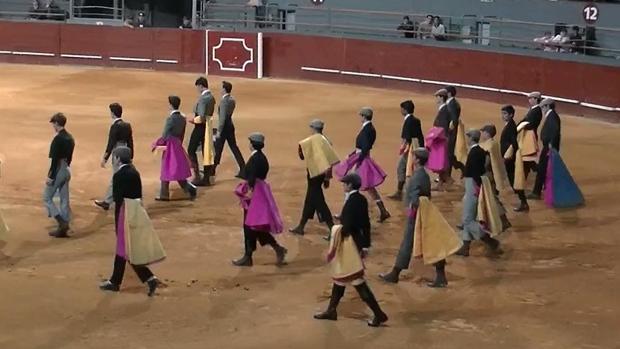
{"x": 347, "y": 195}
{"x": 205, "y": 92}
{"x": 115, "y": 120}
{"x": 473, "y": 146}
{"x": 548, "y": 112}
{"x": 407, "y": 116}
{"x": 226, "y": 94}
{"x": 441, "y": 106}
{"x": 534, "y": 106}
{"x": 366, "y": 123}
{"x": 253, "y": 152}
{"x": 449, "y": 99}
{"x": 123, "y": 165}
{"x": 175, "y": 111}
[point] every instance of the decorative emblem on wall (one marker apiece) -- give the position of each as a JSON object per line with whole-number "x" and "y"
{"x": 232, "y": 54}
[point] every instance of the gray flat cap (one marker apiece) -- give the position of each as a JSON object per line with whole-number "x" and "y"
{"x": 257, "y": 137}
{"x": 547, "y": 101}
{"x": 354, "y": 179}
{"x": 534, "y": 94}
{"x": 421, "y": 153}
{"x": 317, "y": 124}
{"x": 442, "y": 92}
{"x": 366, "y": 112}
{"x": 473, "y": 133}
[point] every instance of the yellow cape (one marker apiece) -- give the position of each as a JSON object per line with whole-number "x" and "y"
{"x": 500, "y": 176}
{"x": 346, "y": 259}
{"x": 415, "y": 144}
{"x": 319, "y": 154}
{"x": 460, "y": 149}
{"x": 209, "y": 147}
{"x": 488, "y": 209}
{"x": 142, "y": 245}
{"x": 527, "y": 143}
{"x": 4, "y": 229}
{"x": 434, "y": 238}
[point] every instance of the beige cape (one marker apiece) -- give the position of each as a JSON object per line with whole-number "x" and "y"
{"x": 500, "y": 176}
{"x": 460, "y": 149}
{"x": 527, "y": 142}
{"x": 142, "y": 244}
{"x": 4, "y": 229}
{"x": 319, "y": 154}
{"x": 434, "y": 238}
{"x": 488, "y": 209}
{"x": 415, "y": 144}
{"x": 345, "y": 258}
{"x": 209, "y": 146}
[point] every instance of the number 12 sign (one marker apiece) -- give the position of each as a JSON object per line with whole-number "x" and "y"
{"x": 591, "y": 13}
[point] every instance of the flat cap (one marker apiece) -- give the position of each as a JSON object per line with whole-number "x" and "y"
{"x": 421, "y": 153}
{"x": 317, "y": 124}
{"x": 534, "y": 94}
{"x": 473, "y": 133}
{"x": 257, "y": 137}
{"x": 442, "y": 92}
{"x": 490, "y": 129}
{"x": 547, "y": 101}
{"x": 366, "y": 112}
{"x": 354, "y": 179}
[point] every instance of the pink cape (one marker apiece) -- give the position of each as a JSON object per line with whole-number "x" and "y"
{"x": 372, "y": 175}
{"x": 437, "y": 145}
{"x": 174, "y": 161}
{"x": 262, "y": 211}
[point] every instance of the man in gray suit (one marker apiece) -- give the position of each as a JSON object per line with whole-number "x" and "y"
{"x": 419, "y": 185}
{"x": 226, "y": 129}
{"x": 203, "y": 114}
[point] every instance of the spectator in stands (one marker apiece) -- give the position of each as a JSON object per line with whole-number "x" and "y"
{"x": 560, "y": 42}
{"x": 187, "y": 23}
{"x": 35, "y": 10}
{"x": 128, "y": 22}
{"x": 54, "y": 12}
{"x": 141, "y": 21}
{"x": 424, "y": 29}
{"x": 544, "y": 41}
{"x": 576, "y": 40}
{"x": 438, "y": 31}
{"x": 407, "y": 27}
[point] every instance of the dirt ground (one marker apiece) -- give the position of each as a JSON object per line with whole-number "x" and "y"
{"x": 555, "y": 287}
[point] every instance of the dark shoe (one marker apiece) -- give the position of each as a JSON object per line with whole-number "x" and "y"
{"x": 522, "y": 208}
{"x": 398, "y": 196}
{"x": 464, "y": 250}
{"x": 245, "y": 261}
{"x": 298, "y": 230}
{"x": 152, "y": 285}
{"x": 327, "y": 237}
{"x": 492, "y": 244}
{"x": 108, "y": 286}
{"x": 505, "y": 223}
{"x": 329, "y": 314}
{"x": 533, "y": 196}
{"x": 378, "y": 319}
{"x": 459, "y": 226}
{"x": 102, "y": 204}
{"x": 62, "y": 230}
{"x": 200, "y": 182}
{"x": 192, "y": 192}
{"x": 383, "y": 211}
{"x": 280, "y": 255}
{"x": 391, "y": 277}
{"x": 440, "y": 282}
{"x": 159, "y": 198}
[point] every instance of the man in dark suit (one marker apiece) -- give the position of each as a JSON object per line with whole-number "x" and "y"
{"x": 203, "y": 114}
{"x": 454, "y": 107}
{"x": 59, "y": 176}
{"x": 508, "y": 147}
{"x": 412, "y": 128}
{"x": 550, "y": 137}
{"x": 226, "y": 129}
{"x": 120, "y": 134}
{"x": 475, "y": 168}
{"x": 126, "y": 183}
{"x": 443, "y": 119}
{"x": 315, "y": 199}
{"x": 533, "y": 118}
{"x": 355, "y": 223}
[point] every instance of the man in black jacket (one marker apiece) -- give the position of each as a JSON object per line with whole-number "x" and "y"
{"x": 508, "y": 147}
{"x": 550, "y": 137}
{"x": 226, "y": 129}
{"x": 454, "y": 107}
{"x": 533, "y": 118}
{"x": 126, "y": 183}
{"x": 202, "y": 121}
{"x": 355, "y": 223}
{"x": 120, "y": 134}
{"x": 412, "y": 129}
{"x": 59, "y": 176}
{"x": 443, "y": 119}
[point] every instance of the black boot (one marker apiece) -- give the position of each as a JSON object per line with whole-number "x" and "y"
{"x": 505, "y": 223}
{"x": 523, "y": 207}
{"x": 245, "y": 261}
{"x": 491, "y": 243}
{"x": 392, "y": 276}
{"x": 197, "y": 179}
{"x": 63, "y": 228}
{"x": 280, "y": 254}
{"x": 367, "y": 296}
{"x": 464, "y": 250}
{"x": 384, "y": 214}
{"x": 440, "y": 275}
{"x": 398, "y": 195}
{"x": 299, "y": 229}
{"x": 330, "y": 313}
{"x": 152, "y": 285}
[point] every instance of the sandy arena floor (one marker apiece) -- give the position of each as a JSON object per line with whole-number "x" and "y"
{"x": 556, "y": 286}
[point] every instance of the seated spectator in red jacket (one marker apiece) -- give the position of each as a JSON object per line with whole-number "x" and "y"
{"x": 407, "y": 27}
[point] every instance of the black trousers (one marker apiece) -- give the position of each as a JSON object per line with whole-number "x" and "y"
{"x": 541, "y": 173}
{"x": 315, "y": 202}
{"x": 143, "y": 272}
{"x": 196, "y": 141}
{"x": 228, "y": 136}
{"x": 510, "y": 170}
{"x": 251, "y": 236}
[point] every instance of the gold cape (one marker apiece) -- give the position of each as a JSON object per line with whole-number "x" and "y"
{"x": 142, "y": 244}
{"x": 460, "y": 148}
{"x": 500, "y": 176}
{"x": 4, "y": 229}
{"x": 415, "y": 144}
{"x": 488, "y": 209}
{"x": 319, "y": 154}
{"x": 209, "y": 147}
{"x": 434, "y": 239}
{"x": 345, "y": 258}
{"x": 527, "y": 143}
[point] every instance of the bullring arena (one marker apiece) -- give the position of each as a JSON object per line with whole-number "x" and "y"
{"x": 554, "y": 287}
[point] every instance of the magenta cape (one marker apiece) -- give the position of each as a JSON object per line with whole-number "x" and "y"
{"x": 437, "y": 145}
{"x": 372, "y": 175}
{"x": 262, "y": 211}
{"x": 174, "y": 161}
